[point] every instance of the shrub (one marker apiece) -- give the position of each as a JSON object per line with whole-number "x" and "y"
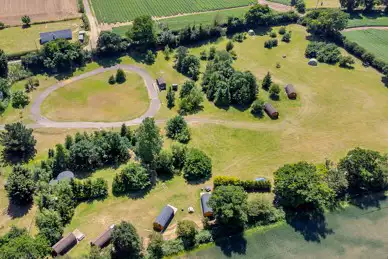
{"x": 165, "y": 163}
{"x": 300, "y": 6}
{"x": 126, "y": 241}
{"x": 121, "y": 77}
{"x": 133, "y": 177}
{"x": 262, "y": 212}
{"x": 286, "y": 37}
{"x": 89, "y": 189}
{"x": 154, "y": 249}
{"x": 233, "y": 54}
{"x": 327, "y": 53}
{"x": 203, "y": 237}
{"x": 31, "y": 84}
{"x": 273, "y": 34}
{"x": 274, "y": 91}
{"x": 346, "y": 61}
{"x": 177, "y": 129}
{"x": 203, "y": 55}
{"x": 20, "y": 185}
{"x": 173, "y": 247}
{"x": 248, "y": 185}
{"x": 239, "y": 37}
{"x": 186, "y": 230}
{"x": 178, "y": 154}
{"x": 269, "y": 44}
{"x": 229, "y": 46}
{"x": 257, "y": 107}
{"x": 112, "y": 80}
{"x": 149, "y": 57}
{"x": 2, "y": 26}
{"x": 20, "y": 99}
{"x": 212, "y": 53}
{"x": 197, "y": 165}
{"x": 267, "y": 81}
{"x": 282, "y": 30}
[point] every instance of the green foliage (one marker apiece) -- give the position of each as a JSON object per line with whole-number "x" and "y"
{"x": 258, "y": 15}
{"x": 326, "y": 22}
{"x": 271, "y": 43}
{"x": 327, "y": 53}
{"x": 165, "y": 163}
{"x": 126, "y": 132}
{"x": 239, "y": 37}
{"x": 366, "y": 170}
{"x": 274, "y": 91}
{"x": 273, "y": 34}
{"x": 350, "y": 5}
{"x": 212, "y": 53}
{"x": 286, "y": 37}
{"x": 126, "y": 241}
{"x": 187, "y": 64}
{"x": 300, "y": 185}
{"x": 198, "y": 166}
{"x": 86, "y": 23}
{"x": 18, "y": 143}
{"x": 2, "y": 26}
{"x": 192, "y": 102}
{"x": 230, "y": 206}
{"x": 149, "y": 57}
{"x": 3, "y": 64}
{"x": 110, "y": 43}
{"x": 17, "y": 72}
{"x": 121, "y": 77}
{"x": 267, "y": 82}
{"x": 186, "y": 88}
{"x": 173, "y": 247}
{"x": 282, "y": 30}
{"x": 229, "y": 46}
{"x": 248, "y": 185}
{"x": 177, "y": 129}
{"x": 20, "y": 185}
{"x": 187, "y": 230}
{"x": 132, "y": 177}
{"x": 170, "y": 97}
{"x": 346, "y": 61}
{"x": 149, "y": 141}
{"x": 300, "y": 6}
{"x": 112, "y": 80}
{"x": 31, "y": 85}
{"x": 49, "y": 225}
{"x": 262, "y": 212}
{"x": 257, "y": 107}
{"x": 167, "y": 52}
{"x": 20, "y": 99}
{"x": 142, "y": 31}
{"x": 26, "y": 20}
{"x": 179, "y": 155}
{"x": 336, "y": 180}
{"x": 203, "y": 237}
{"x": 89, "y": 189}
{"x": 203, "y": 55}
{"x": 155, "y": 247}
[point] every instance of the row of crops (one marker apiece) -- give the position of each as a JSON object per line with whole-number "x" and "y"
{"x": 111, "y": 11}
{"x": 374, "y": 41}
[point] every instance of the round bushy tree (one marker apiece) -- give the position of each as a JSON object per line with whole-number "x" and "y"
{"x": 257, "y": 107}
{"x": 135, "y": 177}
{"x": 148, "y": 141}
{"x": 197, "y": 165}
{"x": 49, "y": 225}
{"x": 274, "y": 91}
{"x": 165, "y": 163}
{"x": 20, "y": 99}
{"x": 267, "y": 81}
{"x": 120, "y": 76}
{"x": 187, "y": 229}
{"x": 126, "y": 241}
{"x": 177, "y": 129}
{"x": 20, "y": 185}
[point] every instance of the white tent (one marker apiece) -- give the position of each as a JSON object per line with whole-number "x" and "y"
{"x": 313, "y": 62}
{"x": 251, "y": 32}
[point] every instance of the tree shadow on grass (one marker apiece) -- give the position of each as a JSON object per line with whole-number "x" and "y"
{"x": 384, "y": 80}
{"x": 18, "y": 211}
{"x": 311, "y": 224}
{"x": 108, "y": 61}
{"x": 369, "y": 200}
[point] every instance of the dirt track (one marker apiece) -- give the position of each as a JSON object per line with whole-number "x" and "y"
{"x": 39, "y": 10}
{"x": 362, "y": 28}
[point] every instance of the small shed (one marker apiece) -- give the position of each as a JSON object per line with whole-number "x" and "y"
{"x": 53, "y": 35}
{"x": 104, "y": 239}
{"x": 175, "y": 87}
{"x": 164, "y": 218}
{"x": 290, "y": 91}
{"x": 251, "y": 32}
{"x": 313, "y": 62}
{"x": 271, "y": 111}
{"x": 260, "y": 179}
{"x": 65, "y": 175}
{"x": 64, "y": 245}
{"x": 161, "y": 83}
{"x": 206, "y": 210}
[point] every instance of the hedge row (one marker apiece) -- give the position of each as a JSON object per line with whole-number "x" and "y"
{"x": 248, "y": 185}
{"x": 89, "y": 189}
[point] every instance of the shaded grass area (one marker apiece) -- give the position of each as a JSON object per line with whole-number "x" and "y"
{"x": 94, "y": 99}
{"x": 17, "y": 39}
{"x": 374, "y": 41}
{"x": 371, "y": 19}
{"x": 350, "y": 233}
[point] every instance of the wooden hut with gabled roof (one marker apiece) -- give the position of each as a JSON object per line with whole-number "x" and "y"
{"x": 64, "y": 245}
{"x": 164, "y": 218}
{"x": 290, "y": 91}
{"x": 104, "y": 239}
{"x": 207, "y": 211}
{"x": 271, "y": 111}
{"x": 161, "y": 83}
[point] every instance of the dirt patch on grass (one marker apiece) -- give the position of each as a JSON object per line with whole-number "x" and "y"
{"x": 39, "y": 10}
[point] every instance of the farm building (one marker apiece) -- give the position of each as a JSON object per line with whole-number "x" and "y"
{"x": 64, "y": 245}
{"x": 271, "y": 111}
{"x": 290, "y": 91}
{"x": 104, "y": 239}
{"x": 206, "y": 210}
{"x": 161, "y": 83}
{"x": 65, "y": 175}
{"x": 164, "y": 218}
{"x": 53, "y": 35}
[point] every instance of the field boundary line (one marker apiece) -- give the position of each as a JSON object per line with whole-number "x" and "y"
{"x": 364, "y": 28}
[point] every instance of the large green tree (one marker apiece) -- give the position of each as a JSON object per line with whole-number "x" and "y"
{"x": 20, "y": 185}
{"x": 350, "y": 5}
{"x": 149, "y": 141}
{"x": 110, "y": 43}
{"x": 187, "y": 229}
{"x": 326, "y": 22}
{"x": 177, "y": 129}
{"x": 142, "y": 31}
{"x": 49, "y": 225}
{"x": 198, "y": 166}
{"x": 18, "y": 143}
{"x": 258, "y": 15}
{"x": 301, "y": 185}
{"x": 229, "y": 204}
{"x": 126, "y": 242}
{"x": 3, "y": 64}
{"x": 133, "y": 177}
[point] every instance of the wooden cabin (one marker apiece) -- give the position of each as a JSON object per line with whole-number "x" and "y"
{"x": 104, "y": 239}
{"x": 64, "y": 245}
{"x": 290, "y": 91}
{"x": 207, "y": 211}
{"x": 164, "y": 218}
{"x": 161, "y": 83}
{"x": 175, "y": 87}
{"x": 271, "y": 111}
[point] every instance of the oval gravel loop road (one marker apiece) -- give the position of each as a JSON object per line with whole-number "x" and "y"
{"x": 42, "y": 121}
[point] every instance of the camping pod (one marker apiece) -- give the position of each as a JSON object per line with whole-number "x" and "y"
{"x": 164, "y": 218}
{"x": 161, "y": 83}
{"x": 290, "y": 91}
{"x": 207, "y": 211}
{"x": 104, "y": 239}
{"x": 64, "y": 245}
{"x": 271, "y": 111}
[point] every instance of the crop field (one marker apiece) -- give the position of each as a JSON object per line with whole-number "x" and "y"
{"x": 111, "y": 11}
{"x": 375, "y": 41}
{"x": 350, "y": 233}
{"x": 38, "y": 10}
{"x": 374, "y": 19}
{"x": 312, "y": 3}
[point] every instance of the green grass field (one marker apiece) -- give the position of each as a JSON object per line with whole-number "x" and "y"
{"x": 375, "y": 41}
{"x": 126, "y": 10}
{"x": 94, "y": 99}
{"x": 374, "y": 19}
{"x": 310, "y": 4}
{"x": 350, "y": 233}
{"x": 16, "y": 39}
{"x": 285, "y": 2}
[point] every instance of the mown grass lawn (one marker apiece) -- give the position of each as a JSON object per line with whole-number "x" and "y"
{"x": 17, "y": 39}
{"x": 94, "y": 99}
{"x": 373, "y": 19}
{"x": 374, "y": 41}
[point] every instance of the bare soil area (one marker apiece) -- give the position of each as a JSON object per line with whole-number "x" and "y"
{"x": 39, "y": 10}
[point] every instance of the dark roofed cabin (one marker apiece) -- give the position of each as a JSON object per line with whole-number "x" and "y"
{"x": 164, "y": 218}
{"x": 64, "y": 245}
{"x": 290, "y": 91}
{"x": 271, "y": 111}
{"x": 53, "y": 35}
{"x": 161, "y": 83}
{"x": 104, "y": 239}
{"x": 206, "y": 210}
